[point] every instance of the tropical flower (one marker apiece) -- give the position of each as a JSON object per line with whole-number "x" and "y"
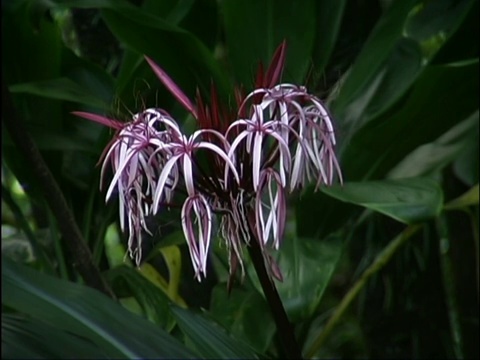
{"x": 239, "y": 166}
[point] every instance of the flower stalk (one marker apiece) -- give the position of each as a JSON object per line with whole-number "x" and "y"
{"x": 291, "y": 349}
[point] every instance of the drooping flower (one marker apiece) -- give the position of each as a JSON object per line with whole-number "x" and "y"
{"x": 238, "y": 166}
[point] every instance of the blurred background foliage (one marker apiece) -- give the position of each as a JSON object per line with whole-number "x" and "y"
{"x": 385, "y": 266}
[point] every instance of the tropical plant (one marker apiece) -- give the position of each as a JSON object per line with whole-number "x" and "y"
{"x": 383, "y": 264}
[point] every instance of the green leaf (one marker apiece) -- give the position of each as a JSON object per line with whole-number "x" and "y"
{"x": 376, "y": 50}
{"x": 209, "y": 339}
{"x": 254, "y": 29}
{"x": 26, "y": 338}
{"x": 86, "y": 313}
{"x": 391, "y": 81}
{"x": 245, "y": 313}
{"x": 427, "y": 112}
{"x": 384, "y": 72}
{"x": 307, "y": 266}
{"x": 55, "y": 140}
{"x": 397, "y": 75}
{"x": 59, "y": 89}
{"x": 409, "y": 201}
{"x": 179, "y": 52}
{"x": 434, "y": 156}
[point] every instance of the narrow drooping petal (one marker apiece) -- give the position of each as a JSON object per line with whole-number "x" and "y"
{"x": 169, "y": 168}
{"x": 135, "y": 214}
{"x": 270, "y": 208}
{"x": 197, "y": 227}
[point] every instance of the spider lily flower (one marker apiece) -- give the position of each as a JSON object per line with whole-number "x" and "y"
{"x": 255, "y": 133}
{"x": 134, "y": 157}
{"x": 299, "y": 113}
{"x": 278, "y": 139}
{"x": 148, "y": 165}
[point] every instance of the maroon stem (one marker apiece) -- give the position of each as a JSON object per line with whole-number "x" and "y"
{"x": 284, "y": 327}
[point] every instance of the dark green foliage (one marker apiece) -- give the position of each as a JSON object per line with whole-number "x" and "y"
{"x": 383, "y": 266}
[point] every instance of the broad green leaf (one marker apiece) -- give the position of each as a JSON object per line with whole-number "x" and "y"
{"x": 54, "y": 140}
{"x": 26, "y": 338}
{"x": 432, "y": 157}
{"x": 181, "y": 54}
{"x": 307, "y": 266}
{"x": 378, "y": 47}
{"x": 318, "y": 214}
{"x": 87, "y": 313}
{"x": 245, "y": 314}
{"x": 393, "y": 78}
{"x": 409, "y": 201}
{"x": 376, "y": 88}
{"x": 209, "y": 339}
{"x": 397, "y": 75}
{"x": 254, "y": 29}
{"x": 427, "y": 112}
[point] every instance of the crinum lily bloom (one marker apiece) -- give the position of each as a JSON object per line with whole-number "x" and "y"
{"x": 278, "y": 139}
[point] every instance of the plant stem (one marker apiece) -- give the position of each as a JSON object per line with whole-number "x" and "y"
{"x": 380, "y": 261}
{"x": 53, "y": 196}
{"x": 284, "y": 327}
